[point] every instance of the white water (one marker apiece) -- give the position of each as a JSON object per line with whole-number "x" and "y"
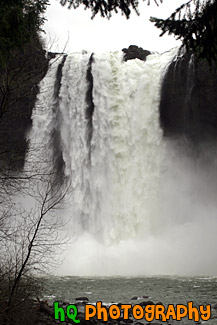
{"x": 134, "y": 205}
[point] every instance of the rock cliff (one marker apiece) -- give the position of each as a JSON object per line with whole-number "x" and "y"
{"x": 188, "y": 103}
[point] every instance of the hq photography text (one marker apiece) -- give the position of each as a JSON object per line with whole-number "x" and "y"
{"x": 125, "y": 311}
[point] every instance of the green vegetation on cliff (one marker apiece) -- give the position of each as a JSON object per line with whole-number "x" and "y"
{"x": 195, "y": 23}
{"x": 21, "y": 20}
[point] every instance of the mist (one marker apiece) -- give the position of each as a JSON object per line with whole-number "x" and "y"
{"x": 180, "y": 239}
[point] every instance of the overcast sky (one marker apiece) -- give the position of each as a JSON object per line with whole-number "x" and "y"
{"x": 75, "y": 30}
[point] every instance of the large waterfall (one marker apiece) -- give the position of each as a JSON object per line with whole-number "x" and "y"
{"x": 97, "y": 119}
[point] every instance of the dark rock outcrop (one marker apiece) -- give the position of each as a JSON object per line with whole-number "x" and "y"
{"x": 59, "y": 164}
{"x": 138, "y": 298}
{"x": 90, "y": 103}
{"x": 146, "y": 303}
{"x": 82, "y": 299}
{"x": 188, "y": 103}
{"x": 18, "y": 90}
{"x": 135, "y": 52}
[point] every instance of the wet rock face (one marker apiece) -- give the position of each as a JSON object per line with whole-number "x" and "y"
{"x": 188, "y": 103}
{"x": 135, "y": 52}
{"x": 19, "y": 88}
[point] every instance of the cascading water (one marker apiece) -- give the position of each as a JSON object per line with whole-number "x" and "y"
{"x": 115, "y": 179}
{"x": 102, "y": 117}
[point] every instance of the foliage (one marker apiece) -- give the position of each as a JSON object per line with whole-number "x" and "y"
{"x": 106, "y": 7}
{"x": 195, "y": 24}
{"x": 20, "y": 22}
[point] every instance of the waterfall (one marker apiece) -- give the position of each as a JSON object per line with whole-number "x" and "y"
{"x": 115, "y": 175}
{"x": 97, "y": 118}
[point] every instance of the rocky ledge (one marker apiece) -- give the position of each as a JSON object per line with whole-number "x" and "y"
{"x": 135, "y": 52}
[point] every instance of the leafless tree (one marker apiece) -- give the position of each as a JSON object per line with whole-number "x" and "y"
{"x": 32, "y": 237}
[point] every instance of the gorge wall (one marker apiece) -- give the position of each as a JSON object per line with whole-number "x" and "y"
{"x": 188, "y": 103}
{"x": 19, "y": 81}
